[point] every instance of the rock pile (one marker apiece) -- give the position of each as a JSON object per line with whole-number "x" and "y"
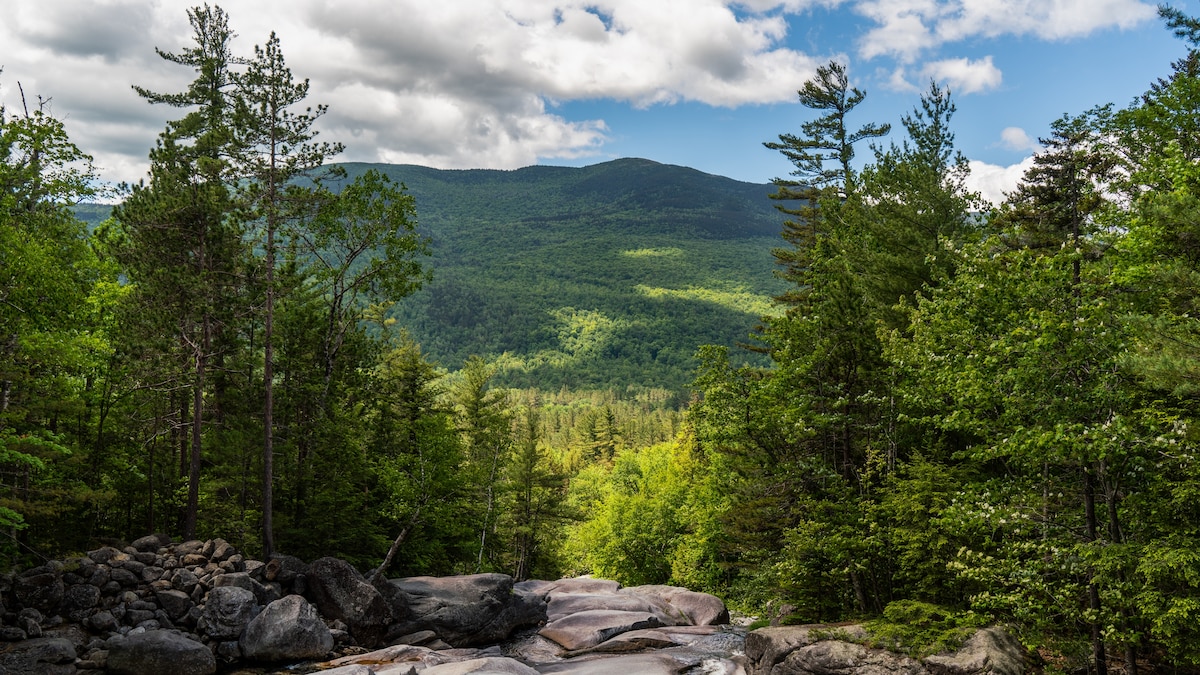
{"x": 191, "y": 608}
{"x": 187, "y": 608}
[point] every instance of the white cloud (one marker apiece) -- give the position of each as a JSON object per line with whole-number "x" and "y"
{"x": 907, "y": 28}
{"x": 965, "y": 76}
{"x": 993, "y": 181}
{"x": 1015, "y": 138}
{"x": 467, "y": 83}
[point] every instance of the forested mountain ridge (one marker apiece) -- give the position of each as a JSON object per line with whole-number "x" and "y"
{"x": 606, "y": 276}
{"x": 610, "y": 275}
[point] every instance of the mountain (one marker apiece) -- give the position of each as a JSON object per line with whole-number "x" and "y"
{"x": 607, "y": 276}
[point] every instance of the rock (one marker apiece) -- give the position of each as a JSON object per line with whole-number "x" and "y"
{"x": 360, "y": 670}
{"x": 80, "y": 597}
{"x": 39, "y": 588}
{"x": 701, "y": 609}
{"x": 634, "y": 664}
{"x": 104, "y": 555}
{"x": 991, "y": 650}
{"x": 124, "y": 577}
{"x": 465, "y": 610}
{"x": 584, "y": 585}
{"x": 834, "y": 657}
{"x": 175, "y": 603}
{"x": 41, "y": 656}
{"x": 340, "y": 592}
{"x": 566, "y": 604}
{"x": 588, "y": 629}
{"x": 158, "y": 652}
{"x": 103, "y": 622}
{"x": 288, "y": 629}
{"x": 227, "y": 610}
{"x": 151, "y": 543}
{"x": 768, "y": 646}
{"x": 495, "y": 665}
{"x": 264, "y": 594}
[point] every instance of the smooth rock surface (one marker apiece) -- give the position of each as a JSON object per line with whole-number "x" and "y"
{"x": 41, "y": 656}
{"x": 160, "y": 653}
{"x": 289, "y": 629}
{"x": 587, "y": 629}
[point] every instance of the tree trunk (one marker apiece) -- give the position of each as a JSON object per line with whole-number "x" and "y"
{"x": 1089, "y": 511}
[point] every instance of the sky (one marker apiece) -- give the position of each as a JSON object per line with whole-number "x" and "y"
{"x": 502, "y": 84}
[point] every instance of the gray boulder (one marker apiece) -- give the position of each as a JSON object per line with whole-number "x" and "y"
{"x": 40, "y": 588}
{"x": 701, "y": 609}
{"x": 157, "y": 652}
{"x": 41, "y": 656}
{"x": 465, "y": 610}
{"x": 833, "y": 657}
{"x": 289, "y": 629}
{"x": 587, "y": 629}
{"x": 565, "y": 604}
{"x": 494, "y": 665}
{"x": 227, "y": 611}
{"x": 340, "y": 592}
{"x": 991, "y": 650}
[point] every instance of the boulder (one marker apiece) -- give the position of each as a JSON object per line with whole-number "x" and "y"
{"x": 583, "y": 585}
{"x": 40, "y": 656}
{"x": 834, "y": 657}
{"x": 589, "y": 628}
{"x": 340, "y": 592}
{"x": 288, "y": 629}
{"x": 158, "y": 652}
{"x": 40, "y": 588}
{"x": 465, "y": 610}
{"x": 495, "y": 665}
{"x": 991, "y": 650}
{"x": 632, "y": 664}
{"x": 701, "y": 609}
{"x": 227, "y": 610}
{"x": 565, "y": 604}
{"x": 264, "y": 594}
{"x": 151, "y": 543}
{"x": 175, "y": 603}
{"x": 768, "y": 646}
{"x": 78, "y": 599}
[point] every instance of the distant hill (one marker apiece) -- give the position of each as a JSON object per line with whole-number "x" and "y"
{"x": 607, "y": 276}
{"x": 604, "y": 276}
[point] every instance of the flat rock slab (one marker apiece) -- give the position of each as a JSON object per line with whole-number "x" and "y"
{"x": 565, "y": 604}
{"x": 698, "y": 609}
{"x": 634, "y": 664}
{"x": 496, "y": 665}
{"x": 674, "y": 636}
{"x": 589, "y": 628}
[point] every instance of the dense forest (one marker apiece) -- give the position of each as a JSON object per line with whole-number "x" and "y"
{"x": 953, "y": 414}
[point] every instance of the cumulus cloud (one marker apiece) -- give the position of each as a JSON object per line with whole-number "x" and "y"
{"x": 994, "y": 181}
{"x": 1015, "y": 138}
{"x": 907, "y": 28}
{"x": 965, "y": 76}
{"x": 469, "y": 83}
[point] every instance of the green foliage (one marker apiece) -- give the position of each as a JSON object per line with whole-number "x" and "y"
{"x": 650, "y": 260}
{"x": 922, "y": 629}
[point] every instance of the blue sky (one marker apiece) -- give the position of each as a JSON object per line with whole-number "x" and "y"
{"x": 508, "y": 83}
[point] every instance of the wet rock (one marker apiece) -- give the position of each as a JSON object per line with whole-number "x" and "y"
{"x": 496, "y": 665}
